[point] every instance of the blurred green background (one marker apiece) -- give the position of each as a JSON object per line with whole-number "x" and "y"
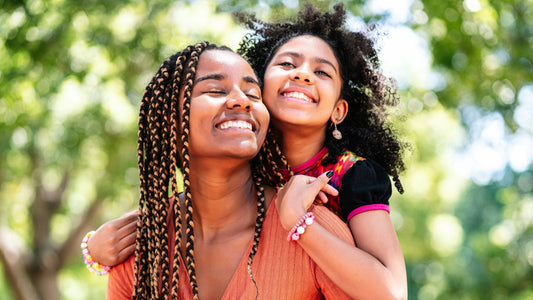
{"x": 71, "y": 78}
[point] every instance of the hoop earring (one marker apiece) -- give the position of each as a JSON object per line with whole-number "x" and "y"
{"x": 336, "y": 133}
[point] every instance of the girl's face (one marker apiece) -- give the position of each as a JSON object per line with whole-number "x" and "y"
{"x": 302, "y": 84}
{"x": 228, "y": 118}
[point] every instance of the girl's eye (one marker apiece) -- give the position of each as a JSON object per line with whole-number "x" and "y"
{"x": 286, "y": 64}
{"x": 322, "y": 73}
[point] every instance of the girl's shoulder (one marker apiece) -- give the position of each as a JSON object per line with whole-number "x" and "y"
{"x": 365, "y": 186}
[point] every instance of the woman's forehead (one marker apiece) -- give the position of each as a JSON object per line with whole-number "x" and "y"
{"x": 222, "y": 61}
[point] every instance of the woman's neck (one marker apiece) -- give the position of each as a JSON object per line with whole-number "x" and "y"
{"x": 224, "y": 199}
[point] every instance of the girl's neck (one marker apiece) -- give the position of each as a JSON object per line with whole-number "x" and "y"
{"x": 299, "y": 148}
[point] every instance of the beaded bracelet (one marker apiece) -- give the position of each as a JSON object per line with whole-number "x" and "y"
{"x": 91, "y": 264}
{"x": 301, "y": 225}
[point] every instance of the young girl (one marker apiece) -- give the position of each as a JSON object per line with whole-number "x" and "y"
{"x": 328, "y": 99}
{"x": 221, "y": 238}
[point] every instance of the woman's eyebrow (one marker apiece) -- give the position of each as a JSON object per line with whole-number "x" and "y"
{"x": 250, "y": 79}
{"x": 215, "y": 76}
{"x": 218, "y": 76}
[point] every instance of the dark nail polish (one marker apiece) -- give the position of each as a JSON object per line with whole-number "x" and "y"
{"x": 329, "y": 174}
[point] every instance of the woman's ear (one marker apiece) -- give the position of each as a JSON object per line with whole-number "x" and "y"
{"x": 339, "y": 112}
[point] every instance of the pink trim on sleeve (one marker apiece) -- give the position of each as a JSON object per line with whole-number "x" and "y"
{"x": 368, "y": 208}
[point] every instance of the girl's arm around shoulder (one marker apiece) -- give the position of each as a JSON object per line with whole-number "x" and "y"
{"x": 361, "y": 272}
{"x": 332, "y": 223}
{"x": 114, "y": 241}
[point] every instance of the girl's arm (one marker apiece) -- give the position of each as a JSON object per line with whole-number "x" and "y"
{"x": 375, "y": 269}
{"x": 114, "y": 241}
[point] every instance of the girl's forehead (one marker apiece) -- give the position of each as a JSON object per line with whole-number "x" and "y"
{"x": 309, "y": 46}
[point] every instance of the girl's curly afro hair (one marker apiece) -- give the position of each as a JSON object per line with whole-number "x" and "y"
{"x": 367, "y": 90}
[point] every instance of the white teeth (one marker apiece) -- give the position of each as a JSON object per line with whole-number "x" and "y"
{"x": 236, "y": 124}
{"x": 298, "y": 95}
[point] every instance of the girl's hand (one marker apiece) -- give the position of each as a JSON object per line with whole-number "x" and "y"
{"x": 114, "y": 241}
{"x": 294, "y": 199}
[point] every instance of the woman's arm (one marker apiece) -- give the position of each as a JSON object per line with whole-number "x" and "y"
{"x": 114, "y": 241}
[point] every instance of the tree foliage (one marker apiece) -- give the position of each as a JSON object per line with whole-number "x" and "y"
{"x": 71, "y": 79}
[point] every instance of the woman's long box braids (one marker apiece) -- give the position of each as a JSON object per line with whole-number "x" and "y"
{"x": 158, "y": 157}
{"x": 189, "y": 81}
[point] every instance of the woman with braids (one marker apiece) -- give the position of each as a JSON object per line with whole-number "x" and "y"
{"x": 222, "y": 237}
{"x": 328, "y": 101}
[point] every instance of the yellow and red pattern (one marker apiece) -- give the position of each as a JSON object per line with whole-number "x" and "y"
{"x": 314, "y": 168}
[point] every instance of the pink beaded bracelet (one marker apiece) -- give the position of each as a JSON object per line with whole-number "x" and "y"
{"x": 91, "y": 264}
{"x": 301, "y": 225}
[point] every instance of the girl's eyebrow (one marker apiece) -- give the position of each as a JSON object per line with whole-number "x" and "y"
{"x": 317, "y": 59}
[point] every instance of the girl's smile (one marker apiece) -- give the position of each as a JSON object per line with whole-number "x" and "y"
{"x": 302, "y": 83}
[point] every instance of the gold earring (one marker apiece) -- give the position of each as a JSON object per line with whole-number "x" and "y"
{"x": 336, "y": 133}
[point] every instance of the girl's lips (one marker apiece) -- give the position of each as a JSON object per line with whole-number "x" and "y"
{"x": 298, "y": 94}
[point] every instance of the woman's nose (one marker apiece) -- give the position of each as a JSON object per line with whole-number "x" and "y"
{"x": 237, "y": 99}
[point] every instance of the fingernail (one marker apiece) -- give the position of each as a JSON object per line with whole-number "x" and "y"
{"x": 329, "y": 174}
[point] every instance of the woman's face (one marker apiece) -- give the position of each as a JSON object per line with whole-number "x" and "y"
{"x": 228, "y": 118}
{"x": 302, "y": 83}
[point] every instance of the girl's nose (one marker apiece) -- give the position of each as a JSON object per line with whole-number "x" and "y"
{"x": 301, "y": 74}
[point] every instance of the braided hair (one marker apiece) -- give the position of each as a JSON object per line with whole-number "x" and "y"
{"x": 367, "y": 90}
{"x": 158, "y": 158}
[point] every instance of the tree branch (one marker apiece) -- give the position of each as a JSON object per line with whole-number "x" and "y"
{"x": 71, "y": 244}
{"x": 12, "y": 258}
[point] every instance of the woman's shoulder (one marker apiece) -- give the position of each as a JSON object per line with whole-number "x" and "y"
{"x": 121, "y": 280}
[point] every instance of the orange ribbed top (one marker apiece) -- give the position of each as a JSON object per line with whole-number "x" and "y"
{"x": 282, "y": 269}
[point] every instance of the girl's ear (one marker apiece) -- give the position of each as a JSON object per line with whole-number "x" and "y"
{"x": 339, "y": 111}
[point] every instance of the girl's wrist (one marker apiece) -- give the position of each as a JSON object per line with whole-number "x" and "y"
{"x": 90, "y": 263}
{"x": 292, "y": 218}
{"x": 300, "y": 227}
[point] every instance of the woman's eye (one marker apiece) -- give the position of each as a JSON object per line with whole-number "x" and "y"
{"x": 215, "y": 92}
{"x": 254, "y": 96}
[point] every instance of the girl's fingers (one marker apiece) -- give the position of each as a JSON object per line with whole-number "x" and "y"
{"x": 126, "y": 252}
{"x": 127, "y": 229}
{"x": 322, "y": 198}
{"x": 127, "y": 218}
{"x": 330, "y": 190}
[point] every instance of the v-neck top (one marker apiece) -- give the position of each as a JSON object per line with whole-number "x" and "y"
{"x": 282, "y": 269}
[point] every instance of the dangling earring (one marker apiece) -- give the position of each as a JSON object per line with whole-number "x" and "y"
{"x": 336, "y": 133}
